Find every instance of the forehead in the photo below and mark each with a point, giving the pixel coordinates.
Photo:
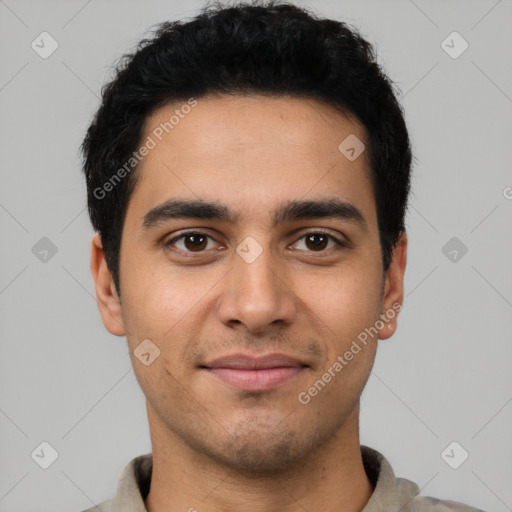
(251, 152)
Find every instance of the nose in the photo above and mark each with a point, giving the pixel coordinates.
(257, 295)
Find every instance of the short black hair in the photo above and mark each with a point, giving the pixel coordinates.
(271, 48)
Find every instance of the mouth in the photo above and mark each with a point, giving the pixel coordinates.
(251, 373)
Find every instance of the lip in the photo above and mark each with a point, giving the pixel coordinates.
(252, 373)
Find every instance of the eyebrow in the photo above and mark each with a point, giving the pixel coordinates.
(331, 208)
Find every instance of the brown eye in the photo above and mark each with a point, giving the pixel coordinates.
(195, 242)
(317, 241)
(190, 242)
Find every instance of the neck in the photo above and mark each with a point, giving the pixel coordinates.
(185, 480)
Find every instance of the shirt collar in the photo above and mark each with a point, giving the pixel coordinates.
(390, 493)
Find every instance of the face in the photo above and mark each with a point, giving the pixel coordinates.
(250, 233)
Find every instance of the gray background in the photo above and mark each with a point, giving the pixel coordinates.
(445, 375)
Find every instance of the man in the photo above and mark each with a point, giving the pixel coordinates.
(248, 174)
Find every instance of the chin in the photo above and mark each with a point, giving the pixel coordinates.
(259, 461)
(260, 452)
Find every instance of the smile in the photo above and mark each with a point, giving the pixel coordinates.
(256, 379)
(255, 372)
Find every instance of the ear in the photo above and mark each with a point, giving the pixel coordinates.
(108, 301)
(394, 289)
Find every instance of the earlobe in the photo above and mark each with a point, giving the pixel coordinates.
(394, 289)
(107, 298)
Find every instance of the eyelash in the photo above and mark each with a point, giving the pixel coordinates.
(339, 244)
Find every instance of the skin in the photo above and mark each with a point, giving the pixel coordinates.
(216, 447)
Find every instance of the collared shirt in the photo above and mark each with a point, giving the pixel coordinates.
(390, 494)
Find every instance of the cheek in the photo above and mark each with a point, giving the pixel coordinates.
(345, 300)
(169, 309)
(344, 313)
(152, 296)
